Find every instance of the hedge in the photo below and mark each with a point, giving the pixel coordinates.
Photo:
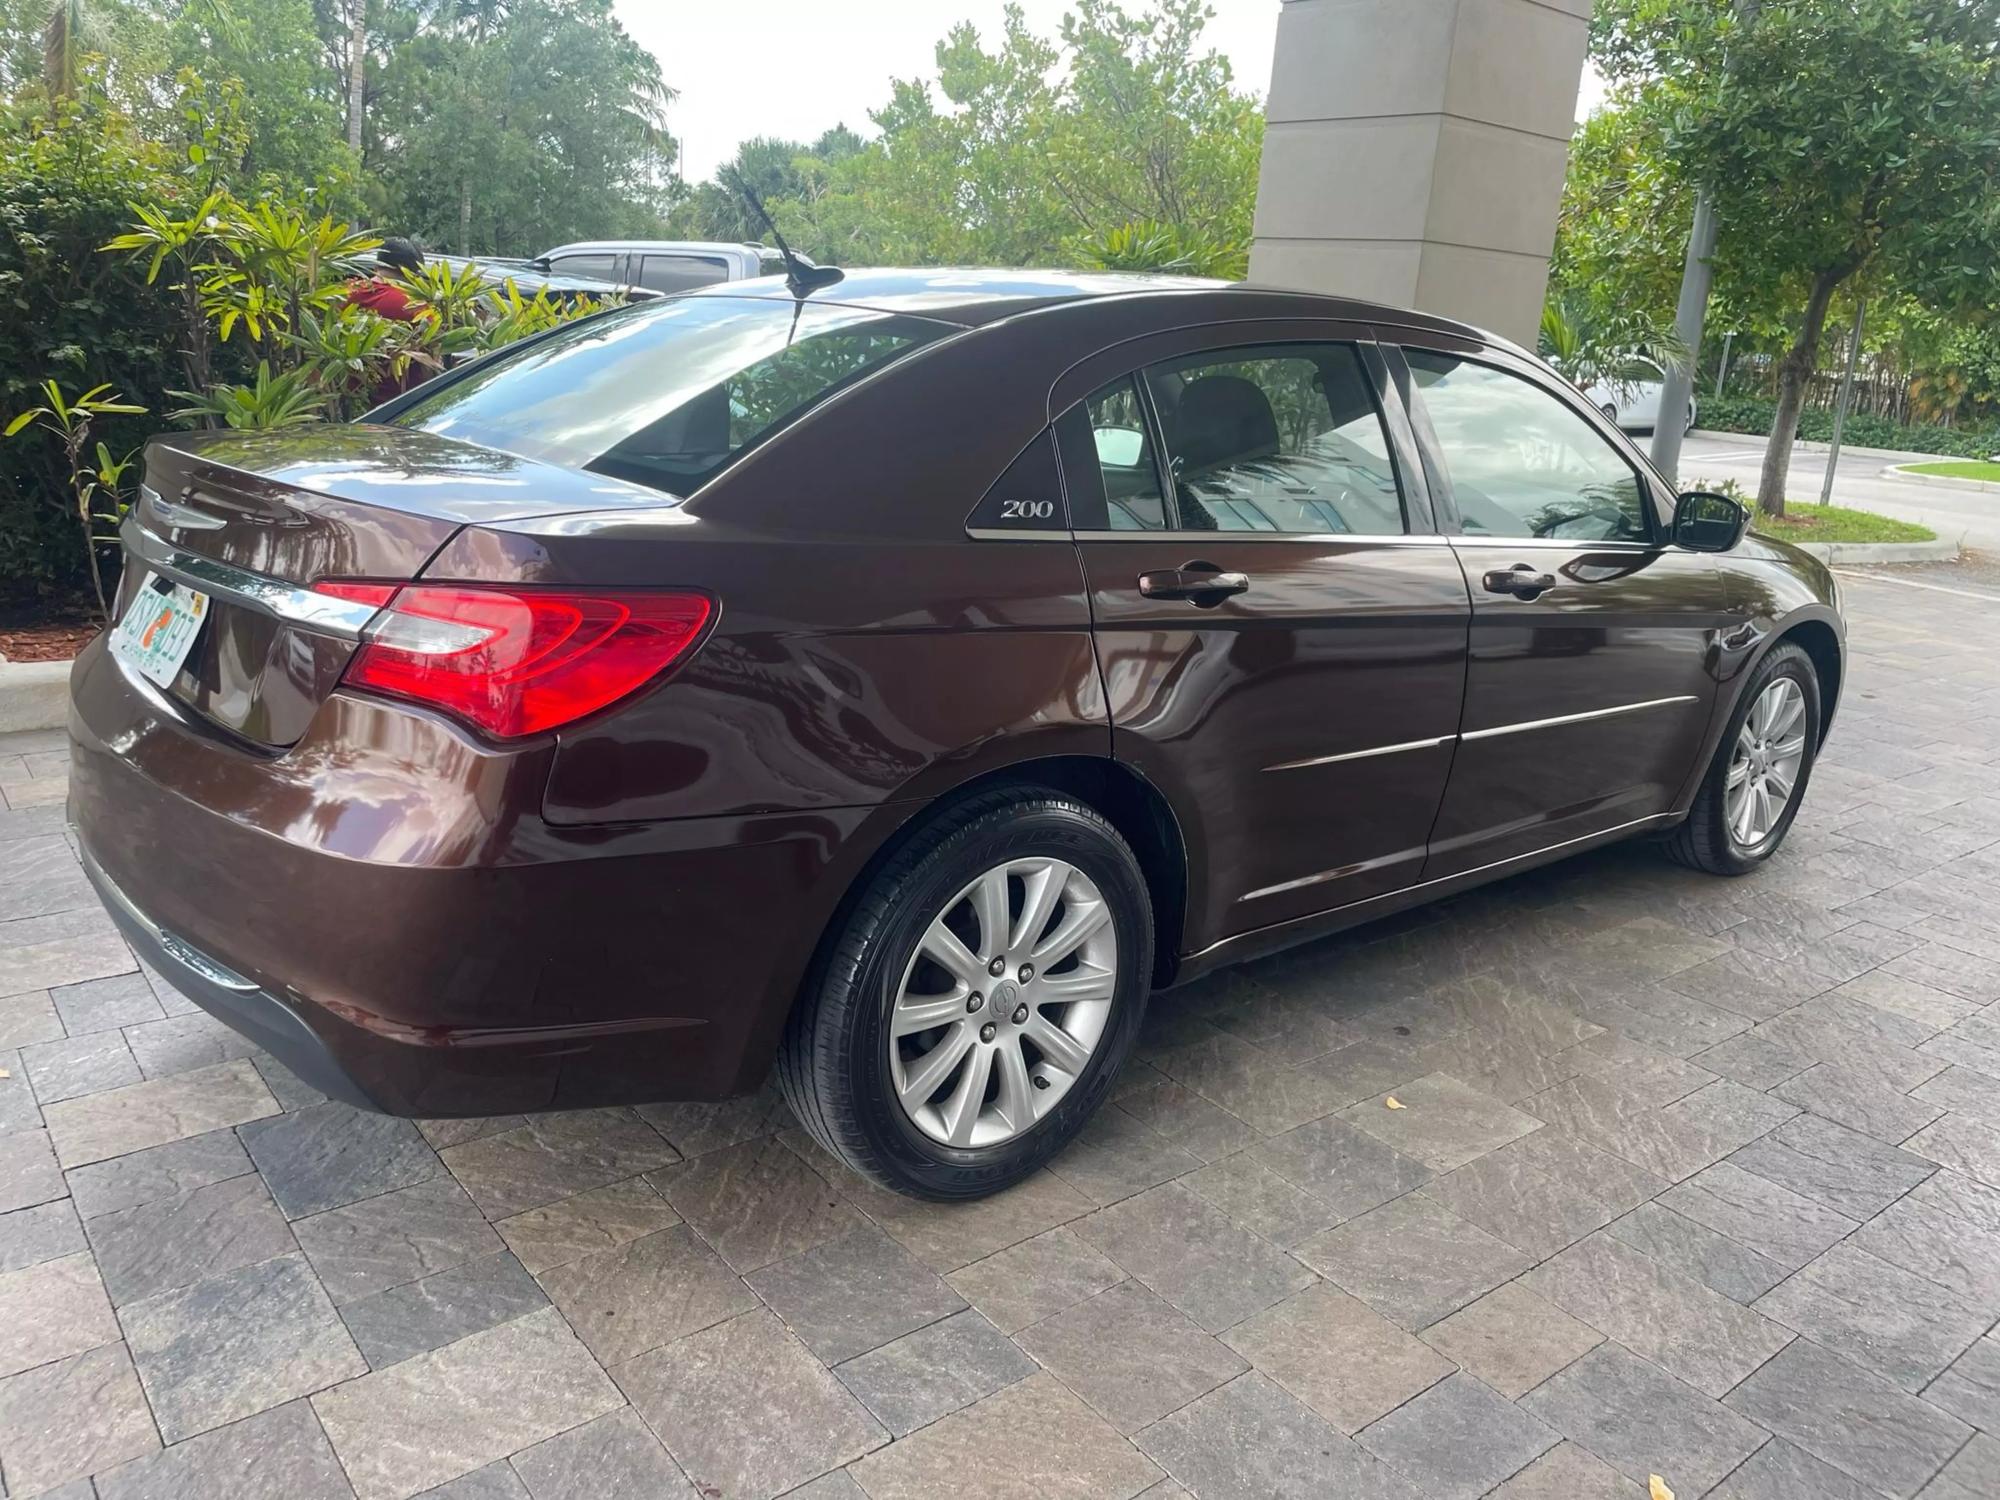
(1749, 414)
(70, 313)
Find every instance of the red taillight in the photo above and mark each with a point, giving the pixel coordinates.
(516, 661)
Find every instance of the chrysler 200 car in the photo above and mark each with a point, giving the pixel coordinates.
(893, 685)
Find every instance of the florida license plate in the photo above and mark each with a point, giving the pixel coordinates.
(159, 629)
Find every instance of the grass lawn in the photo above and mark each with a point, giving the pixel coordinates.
(1831, 523)
(1965, 468)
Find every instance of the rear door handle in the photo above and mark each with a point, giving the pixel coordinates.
(1521, 580)
(1198, 583)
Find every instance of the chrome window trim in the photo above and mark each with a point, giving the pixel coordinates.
(302, 608)
(1332, 760)
(1014, 534)
(1596, 713)
(1557, 543)
(1315, 538)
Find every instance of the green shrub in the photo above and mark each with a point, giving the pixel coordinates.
(69, 313)
(1749, 414)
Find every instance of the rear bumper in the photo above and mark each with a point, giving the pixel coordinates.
(383, 909)
(265, 1018)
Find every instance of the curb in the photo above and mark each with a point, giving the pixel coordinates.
(33, 695)
(1881, 552)
(1810, 446)
(1942, 481)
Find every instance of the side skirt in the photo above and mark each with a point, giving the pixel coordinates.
(1260, 942)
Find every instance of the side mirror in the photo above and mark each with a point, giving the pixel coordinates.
(1706, 522)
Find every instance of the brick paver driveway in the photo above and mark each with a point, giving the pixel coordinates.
(1693, 1178)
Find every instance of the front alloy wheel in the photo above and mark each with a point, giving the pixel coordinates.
(1764, 773)
(1752, 788)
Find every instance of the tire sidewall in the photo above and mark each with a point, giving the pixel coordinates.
(1044, 828)
(1786, 661)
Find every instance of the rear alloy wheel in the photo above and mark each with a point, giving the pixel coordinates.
(979, 999)
(1753, 786)
(1004, 1003)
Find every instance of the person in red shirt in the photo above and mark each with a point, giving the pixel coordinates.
(384, 295)
(379, 293)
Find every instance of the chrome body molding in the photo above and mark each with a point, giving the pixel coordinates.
(179, 948)
(1582, 718)
(1599, 836)
(302, 608)
(1331, 760)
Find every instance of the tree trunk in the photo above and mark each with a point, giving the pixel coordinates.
(465, 216)
(1795, 373)
(357, 72)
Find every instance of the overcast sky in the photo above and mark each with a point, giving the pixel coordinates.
(792, 68)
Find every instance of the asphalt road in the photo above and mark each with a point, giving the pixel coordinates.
(1967, 515)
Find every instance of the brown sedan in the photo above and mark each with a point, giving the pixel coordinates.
(898, 684)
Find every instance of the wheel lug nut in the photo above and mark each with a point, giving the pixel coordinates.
(1041, 1082)
(987, 1032)
(997, 967)
(1027, 972)
(973, 1002)
(1020, 1014)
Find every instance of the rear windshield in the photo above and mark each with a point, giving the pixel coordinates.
(667, 394)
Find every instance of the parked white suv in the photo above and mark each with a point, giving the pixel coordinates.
(661, 265)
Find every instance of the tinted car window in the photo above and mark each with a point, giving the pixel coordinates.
(600, 267)
(1521, 462)
(1281, 439)
(680, 273)
(666, 393)
(1124, 453)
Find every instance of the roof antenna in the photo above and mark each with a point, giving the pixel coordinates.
(801, 275)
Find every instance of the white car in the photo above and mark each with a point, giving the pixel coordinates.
(666, 266)
(1631, 398)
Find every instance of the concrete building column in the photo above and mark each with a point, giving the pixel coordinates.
(1415, 150)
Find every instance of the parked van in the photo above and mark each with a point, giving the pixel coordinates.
(661, 265)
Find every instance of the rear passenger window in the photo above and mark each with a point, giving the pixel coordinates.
(680, 273)
(1285, 438)
(1522, 463)
(1124, 452)
(595, 267)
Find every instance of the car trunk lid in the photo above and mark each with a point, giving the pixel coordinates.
(254, 520)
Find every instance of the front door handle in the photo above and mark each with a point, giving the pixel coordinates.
(1521, 580)
(1198, 583)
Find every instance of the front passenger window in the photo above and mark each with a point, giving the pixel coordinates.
(1521, 462)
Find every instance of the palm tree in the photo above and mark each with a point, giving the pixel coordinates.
(75, 29)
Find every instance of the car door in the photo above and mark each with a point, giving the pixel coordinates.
(1280, 628)
(1593, 643)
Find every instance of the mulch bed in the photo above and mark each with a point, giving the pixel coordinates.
(44, 642)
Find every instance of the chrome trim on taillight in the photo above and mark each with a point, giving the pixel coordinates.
(322, 614)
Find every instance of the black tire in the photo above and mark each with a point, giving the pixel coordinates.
(1704, 841)
(832, 1064)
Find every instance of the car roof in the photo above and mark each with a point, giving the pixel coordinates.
(974, 296)
(691, 247)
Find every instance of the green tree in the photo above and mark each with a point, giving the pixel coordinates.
(1837, 140)
(291, 106)
(1026, 149)
(513, 125)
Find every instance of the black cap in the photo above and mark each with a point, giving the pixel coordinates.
(399, 254)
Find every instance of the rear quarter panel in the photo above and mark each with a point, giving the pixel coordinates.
(839, 672)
